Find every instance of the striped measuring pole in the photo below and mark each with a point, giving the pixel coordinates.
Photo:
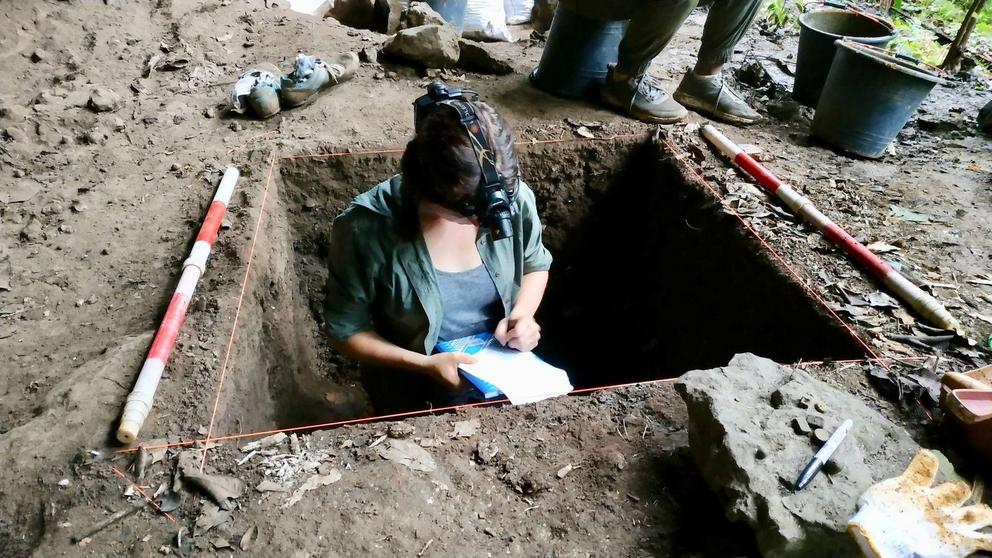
(927, 306)
(139, 402)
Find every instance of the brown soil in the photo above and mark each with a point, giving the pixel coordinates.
(117, 198)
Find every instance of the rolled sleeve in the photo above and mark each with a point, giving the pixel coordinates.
(351, 278)
(536, 256)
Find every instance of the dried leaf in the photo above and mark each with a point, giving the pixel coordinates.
(584, 132)
(465, 428)
(270, 486)
(311, 483)
(220, 488)
(408, 454)
(248, 538)
(210, 516)
(20, 192)
(882, 248)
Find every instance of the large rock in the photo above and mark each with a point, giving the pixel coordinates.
(480, 58)
(434, 46)
(985, 118)
(743, 440)
(103, 99)
(354, 13)
(420, 14)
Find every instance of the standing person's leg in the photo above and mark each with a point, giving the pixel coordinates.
(628, 87)
(702, 88)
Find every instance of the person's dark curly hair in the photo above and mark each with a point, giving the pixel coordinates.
(439, 163)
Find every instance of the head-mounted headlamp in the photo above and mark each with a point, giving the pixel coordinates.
(493, 203)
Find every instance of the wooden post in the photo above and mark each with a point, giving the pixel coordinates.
(952, 62)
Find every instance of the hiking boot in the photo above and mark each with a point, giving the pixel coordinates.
(257, 90)
(711, 96)
(312, 75)
(642, 98)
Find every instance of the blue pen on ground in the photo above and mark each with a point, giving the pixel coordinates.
(820, 457)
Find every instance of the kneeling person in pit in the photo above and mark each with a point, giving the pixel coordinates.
(448, 248)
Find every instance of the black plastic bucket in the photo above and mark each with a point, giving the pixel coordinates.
(868, 97)
(817, 32)
(577, 54)
(453, 11)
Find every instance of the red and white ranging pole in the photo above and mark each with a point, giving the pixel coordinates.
(926, 305)
(139, 402)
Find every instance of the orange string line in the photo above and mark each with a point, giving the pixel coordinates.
(788, 267)
(521, 143)
(419, 412)
(140, 491)
(237, 311)
(248, 141)
(210, 438)
(716, 193)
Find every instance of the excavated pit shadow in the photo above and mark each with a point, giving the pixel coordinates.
(651, 278)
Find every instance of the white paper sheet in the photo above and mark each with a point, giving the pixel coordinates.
(522, 377)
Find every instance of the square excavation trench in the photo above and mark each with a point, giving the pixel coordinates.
(651, 279)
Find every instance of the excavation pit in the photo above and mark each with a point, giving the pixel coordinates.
(651, 278)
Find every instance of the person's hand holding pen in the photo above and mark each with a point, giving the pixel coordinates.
(520, 333)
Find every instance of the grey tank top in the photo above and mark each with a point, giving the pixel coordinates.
(470, 301)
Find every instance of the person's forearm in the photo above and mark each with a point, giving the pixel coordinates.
(531, 293)
(370, 348)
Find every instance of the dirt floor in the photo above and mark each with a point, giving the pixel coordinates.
(98, 211)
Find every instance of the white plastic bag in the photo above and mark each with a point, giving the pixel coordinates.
(518, 11)
(485, 20)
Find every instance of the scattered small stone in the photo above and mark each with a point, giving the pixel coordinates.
(225, 224)
(103, 99)
(64, 483)
(804, 402)
(821, 407)
(485, 451)
(800, 426)
(369, 55)
(118, 124)
(832, 467)
(777, 399)
(618, 460)
(820, 436)
(38, 55)
(32, 232)
(564, 471)
(760, 453)
(80, 302)
(15, 134)
(309, 203)
(815, 421)
(210, 112)
(65, 229)
(400, 430)
(18, 173)
(236, 126)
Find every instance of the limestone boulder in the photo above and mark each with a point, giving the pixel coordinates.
(743, 437)
(433, 46)
(420, 14)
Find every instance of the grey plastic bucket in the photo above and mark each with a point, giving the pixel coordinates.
(868, 97)
(453, 11)
(577, 54)
(817, 32)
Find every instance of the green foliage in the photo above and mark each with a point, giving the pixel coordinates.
(781, 14)
(913, 40)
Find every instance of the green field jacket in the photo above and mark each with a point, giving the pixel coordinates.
(382, 280)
